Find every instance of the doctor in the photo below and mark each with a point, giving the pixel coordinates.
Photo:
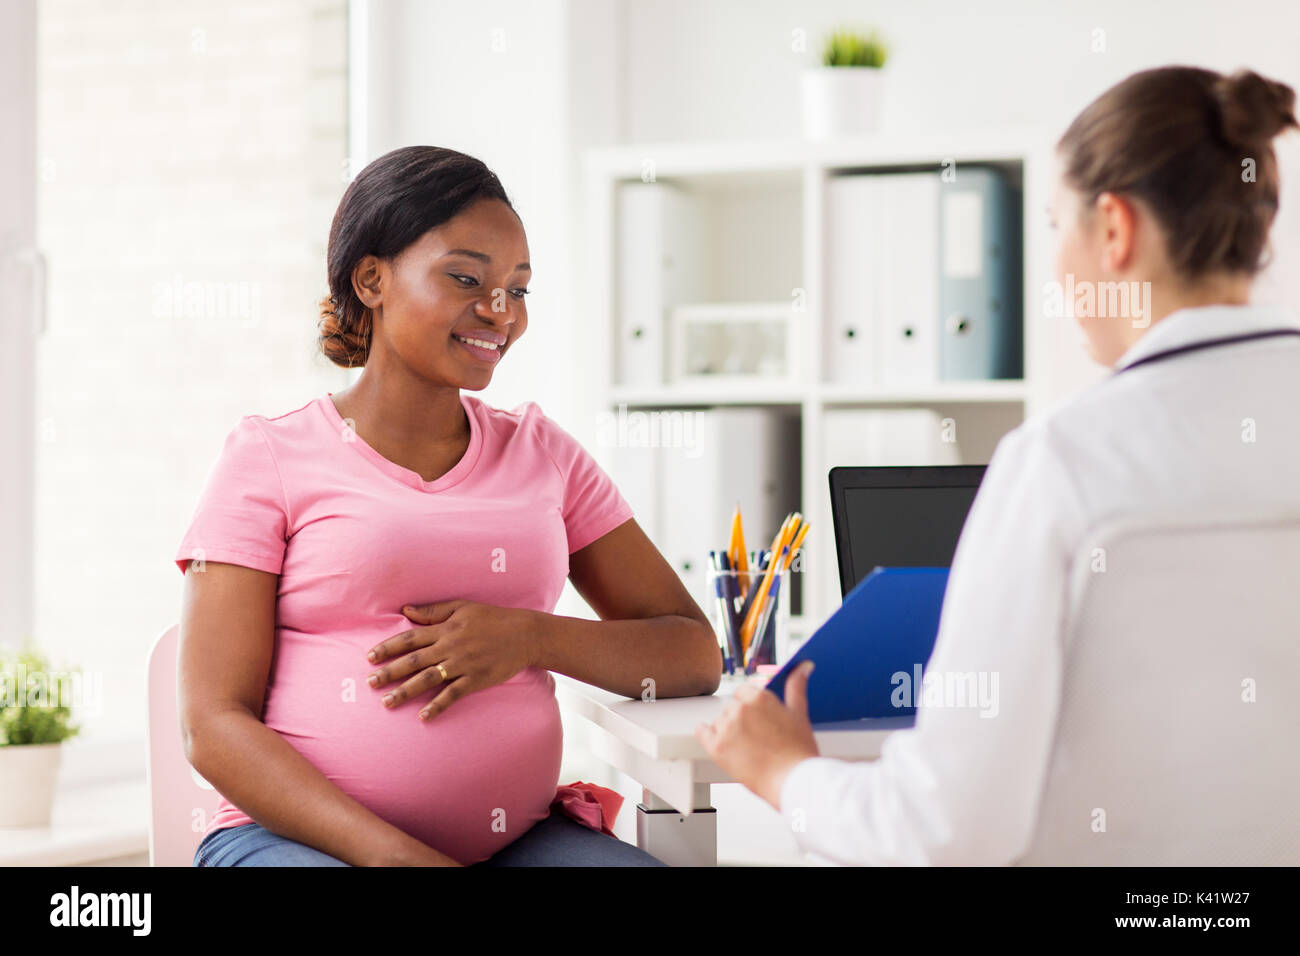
(1167, 180)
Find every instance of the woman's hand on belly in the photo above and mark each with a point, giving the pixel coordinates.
(477, 646)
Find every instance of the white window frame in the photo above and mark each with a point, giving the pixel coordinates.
(22, 303)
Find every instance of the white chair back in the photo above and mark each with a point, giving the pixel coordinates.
(1178, 734)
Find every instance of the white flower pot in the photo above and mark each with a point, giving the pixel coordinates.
(28, 773)
(840, 101)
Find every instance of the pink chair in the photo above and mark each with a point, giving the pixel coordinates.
(181, 801)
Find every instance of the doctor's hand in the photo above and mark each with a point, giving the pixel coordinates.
(759, 739)
(477, 646)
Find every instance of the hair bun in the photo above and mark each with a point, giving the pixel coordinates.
(1253, 109)
(343, 343)
(329, 310)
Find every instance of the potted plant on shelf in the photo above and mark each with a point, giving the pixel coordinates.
(35, 719)
(841, 97)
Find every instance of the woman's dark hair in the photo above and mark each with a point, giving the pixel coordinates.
(392, 202)
(1196, 147)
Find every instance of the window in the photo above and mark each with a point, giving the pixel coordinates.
(189, 160)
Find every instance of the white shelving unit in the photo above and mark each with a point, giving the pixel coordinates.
(737, 175)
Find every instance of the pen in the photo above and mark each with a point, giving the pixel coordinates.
(724, 623)
(726, 611)
(756, 580)
(730, 591)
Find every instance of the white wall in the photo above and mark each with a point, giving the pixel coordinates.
(725, 69)
(953, 66)
(523, 87)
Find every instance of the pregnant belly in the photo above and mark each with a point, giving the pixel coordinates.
(467, 782)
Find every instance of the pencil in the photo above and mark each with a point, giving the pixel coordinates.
(798, 540)
(779, 543)
(765, 616)
(739, 558)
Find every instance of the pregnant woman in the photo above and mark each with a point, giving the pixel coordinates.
(367, 631)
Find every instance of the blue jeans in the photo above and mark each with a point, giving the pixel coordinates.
(558, 840)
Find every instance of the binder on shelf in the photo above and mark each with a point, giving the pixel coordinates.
(907, 289)
(657, 267)
(703, 464)
(882, 279)
(980, 278)
(853, 223)
(924, 278)
(871, 653)
(888, 436)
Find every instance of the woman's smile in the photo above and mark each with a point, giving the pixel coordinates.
(484, 346)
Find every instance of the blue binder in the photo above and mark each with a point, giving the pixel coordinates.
(886, 627)
(980, 277)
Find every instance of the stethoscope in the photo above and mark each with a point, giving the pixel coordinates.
(1208, 344)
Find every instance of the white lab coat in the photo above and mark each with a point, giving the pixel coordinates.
(962, 789)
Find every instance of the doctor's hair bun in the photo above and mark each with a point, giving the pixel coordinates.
(389, 205)
(1196, 148)
(1253, 109)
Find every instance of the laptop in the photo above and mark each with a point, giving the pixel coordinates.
(898, 516)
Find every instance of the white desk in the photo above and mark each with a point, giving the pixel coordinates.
(653, 742)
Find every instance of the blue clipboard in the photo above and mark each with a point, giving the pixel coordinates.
(885, 628)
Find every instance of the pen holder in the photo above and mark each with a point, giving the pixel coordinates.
(729, 595)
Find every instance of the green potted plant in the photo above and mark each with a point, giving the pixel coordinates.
(35, 719)
(841, 96)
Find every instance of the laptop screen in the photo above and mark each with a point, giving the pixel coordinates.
(900, 524)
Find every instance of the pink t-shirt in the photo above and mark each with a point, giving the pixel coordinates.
(354, 537)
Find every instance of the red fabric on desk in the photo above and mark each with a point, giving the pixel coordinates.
(590, 804)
